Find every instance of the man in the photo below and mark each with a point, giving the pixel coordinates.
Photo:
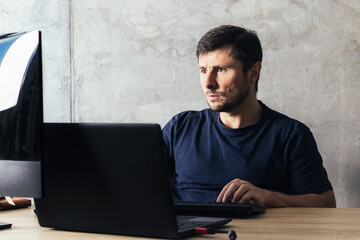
(240, 150)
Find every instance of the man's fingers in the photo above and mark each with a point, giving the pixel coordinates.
(228, 192)
(247, 197)
(221, 195)
(240, 192)
(228, 195)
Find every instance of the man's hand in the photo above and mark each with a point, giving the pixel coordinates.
(240, 191)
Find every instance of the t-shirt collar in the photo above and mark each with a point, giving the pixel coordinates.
(242, 130)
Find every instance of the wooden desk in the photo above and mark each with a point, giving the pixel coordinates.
(281, 223)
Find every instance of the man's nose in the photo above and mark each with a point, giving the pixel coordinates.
(210, 80)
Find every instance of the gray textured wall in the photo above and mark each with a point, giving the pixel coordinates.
(133, 61)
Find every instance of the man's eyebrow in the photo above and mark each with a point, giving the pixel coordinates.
(219, 66)
(228, 65)
(201, 67)
(216, 66)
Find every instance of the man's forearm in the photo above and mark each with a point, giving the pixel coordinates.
(276, 199)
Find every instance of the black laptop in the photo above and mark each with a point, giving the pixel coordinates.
(110, 178)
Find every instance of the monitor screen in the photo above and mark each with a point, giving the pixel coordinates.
(21, 114)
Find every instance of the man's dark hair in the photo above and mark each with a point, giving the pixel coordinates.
(245, 45)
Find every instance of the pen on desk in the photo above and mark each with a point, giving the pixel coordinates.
(8, 199)
(231, 233)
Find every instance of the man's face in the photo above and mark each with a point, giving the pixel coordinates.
(222, 80)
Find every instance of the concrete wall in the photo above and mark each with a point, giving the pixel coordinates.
(134, 61)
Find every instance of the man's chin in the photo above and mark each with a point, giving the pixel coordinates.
(216, 107)
(224, 107)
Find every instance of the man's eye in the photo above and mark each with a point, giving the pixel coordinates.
(203, 70)
(221, 69)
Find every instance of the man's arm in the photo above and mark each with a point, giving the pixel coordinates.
(239, 191)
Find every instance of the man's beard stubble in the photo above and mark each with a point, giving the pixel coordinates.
(231, 104)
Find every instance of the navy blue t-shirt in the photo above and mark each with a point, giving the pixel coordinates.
(275, 153)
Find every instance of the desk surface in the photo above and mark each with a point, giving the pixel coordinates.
(281, 223)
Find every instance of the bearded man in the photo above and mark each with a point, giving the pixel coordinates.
(239, 150)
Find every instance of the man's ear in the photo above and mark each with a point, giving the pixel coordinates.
(254, 72)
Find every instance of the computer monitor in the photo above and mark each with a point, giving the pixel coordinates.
(21, 114)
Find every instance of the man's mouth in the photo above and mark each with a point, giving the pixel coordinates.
(213, 97)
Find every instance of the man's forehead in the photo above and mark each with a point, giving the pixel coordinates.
(217, 57)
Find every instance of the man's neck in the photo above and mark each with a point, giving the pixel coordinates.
(246, 114)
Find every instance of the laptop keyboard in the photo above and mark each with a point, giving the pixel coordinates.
(217, 209)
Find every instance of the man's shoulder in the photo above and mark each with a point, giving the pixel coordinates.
(285, 122)
(193, 115)
(189, 120)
